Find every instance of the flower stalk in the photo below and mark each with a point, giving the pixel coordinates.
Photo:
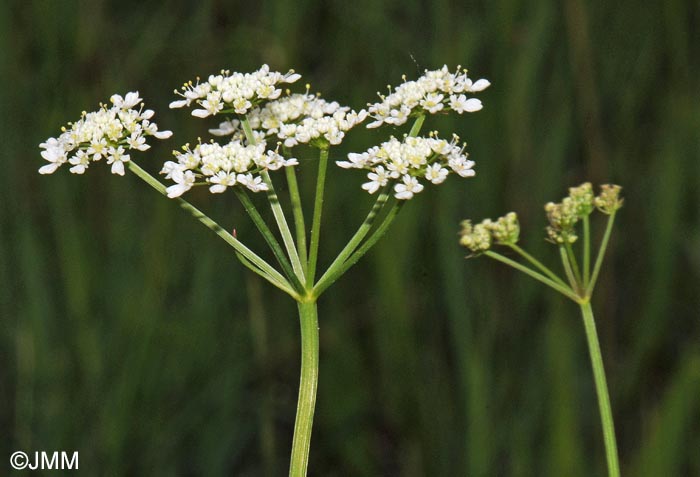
(261, 114)
(563, 218)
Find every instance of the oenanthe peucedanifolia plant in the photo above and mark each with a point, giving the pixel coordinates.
(579, 282)
(262, 125)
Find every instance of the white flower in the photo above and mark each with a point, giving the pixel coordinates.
(184, 180)
(108, 132)
(298, 119)
(138, 142)
(55, 153)
(255, 184)
(461, 104)
(462, 166)
(98, 149)
(117, 158)
(411, 159)
(80, 162)
(223, 166)
(237, 91)
(222, 180)
(128, 102)
(378, 178)
(436, 173)
(409, 187)
(431, 93)
(432, 102)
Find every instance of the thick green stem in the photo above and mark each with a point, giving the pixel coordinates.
(316, 224)
(275, 277)
(601, 387)
(298, 211)
(268, 236)
(308, 318)
(601, 254)
(566, 291)
(276, 208)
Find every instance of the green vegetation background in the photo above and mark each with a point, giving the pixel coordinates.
(130, 333)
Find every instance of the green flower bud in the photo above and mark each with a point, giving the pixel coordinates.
(609, 199)
(582, 198)
(506, 230)
(476, 238)
(562, 219)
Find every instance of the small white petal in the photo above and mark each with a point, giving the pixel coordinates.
(480, 85)
(118, 168)
(472, 105)
(201, 113)
(49, 168)
(176, 190)
(181, 103)
(162, 134)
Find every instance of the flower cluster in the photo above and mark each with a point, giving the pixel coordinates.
(564, 215)
(221, 167)
(106, 133)
(609, 199)
(298, 119)
(433, 92)
(478, 238)
(233, 92)
(429, 158)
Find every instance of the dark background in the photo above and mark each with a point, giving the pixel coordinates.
(131, 334)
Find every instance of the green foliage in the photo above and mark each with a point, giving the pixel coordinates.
(128, 332)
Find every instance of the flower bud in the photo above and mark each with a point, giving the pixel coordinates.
(562, 219)
(609, 199)
(506, 230)
(582, 199)
(476, 238)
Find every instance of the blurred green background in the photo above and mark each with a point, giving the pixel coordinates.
(131, 334)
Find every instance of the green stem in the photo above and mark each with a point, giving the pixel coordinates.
(566, 291)
(276, 208)
(601, 387)
(298, 211)
(279, 280)
(253, 268)
(586, 250)
(268, 236)
(601, 254)
(574, 264)
(538, 264)
(567, 267)
(308, 317)
(336, 272)
(357, 238)
(318, 210)
(415, 129)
